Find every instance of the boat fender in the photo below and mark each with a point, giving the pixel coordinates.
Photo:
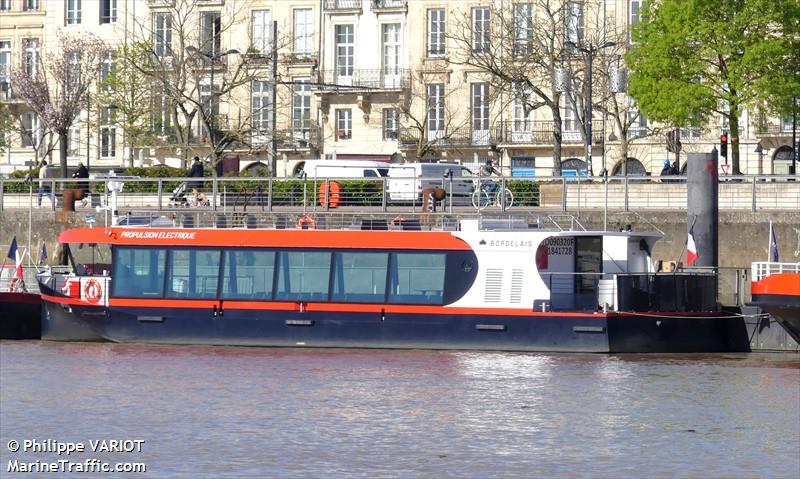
(306, 222)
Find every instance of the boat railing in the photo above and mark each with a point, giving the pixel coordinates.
(762, 269)
(29, 273)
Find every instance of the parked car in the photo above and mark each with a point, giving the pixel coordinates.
(406, 182)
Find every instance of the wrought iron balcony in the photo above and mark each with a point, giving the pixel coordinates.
(540, 132)
(456, 137)
(340, 6)
(774, 128)
(298, 138)
(380, 6)
(383, 79)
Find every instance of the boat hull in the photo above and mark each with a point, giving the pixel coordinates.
(20, 315)
(65, 322)
(554, 332)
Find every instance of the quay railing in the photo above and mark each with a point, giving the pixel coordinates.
(485, 194)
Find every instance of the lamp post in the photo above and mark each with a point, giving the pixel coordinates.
(589, 50)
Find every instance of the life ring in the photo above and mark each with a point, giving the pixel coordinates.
(306, 222)
(93, 291)
(397, 222)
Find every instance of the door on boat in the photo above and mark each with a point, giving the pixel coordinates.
(589, 267)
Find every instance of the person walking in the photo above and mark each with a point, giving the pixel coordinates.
(44, 185)
(196, 172)
(82, 174)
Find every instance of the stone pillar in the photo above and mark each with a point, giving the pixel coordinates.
(702, 198)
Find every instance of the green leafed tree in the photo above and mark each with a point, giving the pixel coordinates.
(694, 59)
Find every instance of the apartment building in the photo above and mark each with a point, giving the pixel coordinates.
(371, 79)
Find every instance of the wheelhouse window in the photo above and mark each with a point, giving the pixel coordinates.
(248, 274)
(303, 276)
(417, 278)
(360, 277)
(138, 272)
(436, 32)
(193, 273)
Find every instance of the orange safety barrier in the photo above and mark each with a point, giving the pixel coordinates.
(332, 195)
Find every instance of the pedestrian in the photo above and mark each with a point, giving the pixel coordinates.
(44, 185)
(675, 170)
(196, 172)
(667, 170)
(82, 174)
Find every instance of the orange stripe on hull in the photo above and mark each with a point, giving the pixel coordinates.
(784, 284)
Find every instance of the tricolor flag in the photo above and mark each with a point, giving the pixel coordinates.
(691, 248)
(13, 253)
(773, 244)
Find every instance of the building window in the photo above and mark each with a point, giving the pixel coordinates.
(435, 32)
(210, 34)
(345, 51)
(481, 29)
(344, 124)
(32, 136)
(74, 140)
(261, 31)
(570, 123)
(162, 35)
(73, 72)
(391, 55)
(107, 71)
(209, 101)
(261, 110)
(30, 5)
(73, 12)
(634, 11)
(303, 31)
(107, 132)
(5, 72)
(162, 116)
(523, 28)
(31, 56)
(301, 105)
(390, 124)
(5, 5)
(574, 22)
(435, 101)
(480, 113)
(108, 11)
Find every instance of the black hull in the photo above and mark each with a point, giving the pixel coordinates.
(551, 332)
(68, 323)
(20, 316)
(784, 308)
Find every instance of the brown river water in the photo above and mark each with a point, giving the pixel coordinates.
(219, 412)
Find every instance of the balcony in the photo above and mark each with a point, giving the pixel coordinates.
(774, 128)
(342, 6)
(530, 132)
(383, 79)
(457, 137)
(389, 6)
(299, 138)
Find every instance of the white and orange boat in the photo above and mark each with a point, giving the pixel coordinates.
(776, 289)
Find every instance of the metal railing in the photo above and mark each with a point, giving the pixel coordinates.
(342, 5)
(762, 269)
(379, 5)
(541, 132)
(745, 193)
(374, 79)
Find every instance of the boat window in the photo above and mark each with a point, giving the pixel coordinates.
(193, 273)
(303, 276)
(248, 274)
(360, 277)
(138, 272)
(417, 278)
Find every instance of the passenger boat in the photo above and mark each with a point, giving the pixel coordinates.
(776, 289)
(464, 284)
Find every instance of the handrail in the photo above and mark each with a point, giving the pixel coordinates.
(762, 269)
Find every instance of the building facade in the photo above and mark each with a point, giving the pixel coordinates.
(374, 79)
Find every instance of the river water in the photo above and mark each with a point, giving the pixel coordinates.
(212, 412)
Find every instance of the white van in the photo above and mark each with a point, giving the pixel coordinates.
(344, 169)
(406, 181)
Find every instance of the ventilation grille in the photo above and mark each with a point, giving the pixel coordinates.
(494, 286)
(516, 285)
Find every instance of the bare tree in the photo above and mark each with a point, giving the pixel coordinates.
(430, 114)
(56, 88)
(190, 71)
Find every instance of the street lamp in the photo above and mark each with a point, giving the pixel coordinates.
(589, 50)
(760, 150)
(212, 57)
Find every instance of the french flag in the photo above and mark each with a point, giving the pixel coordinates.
(691, 248)
(13, 253)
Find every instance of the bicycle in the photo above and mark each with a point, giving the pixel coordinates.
(487, 195)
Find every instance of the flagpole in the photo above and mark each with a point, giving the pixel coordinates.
(769, 243)
(686, 240)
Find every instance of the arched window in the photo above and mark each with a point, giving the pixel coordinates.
(634, 167)
(572, 167)
(256, 169)
(782, 161)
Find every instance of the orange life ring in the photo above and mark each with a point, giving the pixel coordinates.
(93, 291)
(306, 220)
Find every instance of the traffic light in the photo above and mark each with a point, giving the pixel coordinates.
(723, 145)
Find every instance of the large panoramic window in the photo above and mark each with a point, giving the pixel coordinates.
(417, 278)
(360, 277)
(138, 272)
(248, 274)
(193, 273)
(303, 276)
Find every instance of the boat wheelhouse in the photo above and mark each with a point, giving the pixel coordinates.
(474, 285)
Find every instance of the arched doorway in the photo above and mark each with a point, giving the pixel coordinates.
(782, 161)
(256, 169)
(634, 167)
(572, 166)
